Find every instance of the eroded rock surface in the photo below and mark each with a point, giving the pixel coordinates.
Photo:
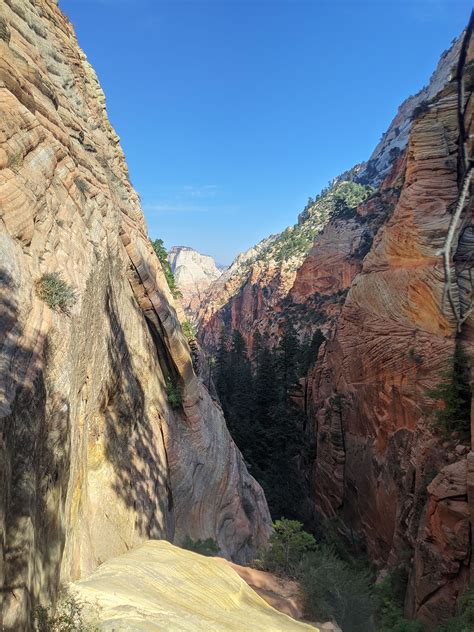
(138, 591)
(93, 458)
(396, 334)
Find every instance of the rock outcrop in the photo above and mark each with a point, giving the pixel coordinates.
(193, 273)
(108, 437)
(396, 334)
(137, 591)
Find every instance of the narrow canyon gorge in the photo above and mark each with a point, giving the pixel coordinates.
(118, 425)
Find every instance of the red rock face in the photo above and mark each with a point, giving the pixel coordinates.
(371, 412)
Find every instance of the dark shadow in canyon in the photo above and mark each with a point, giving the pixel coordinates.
(34, 472)
(132, 439)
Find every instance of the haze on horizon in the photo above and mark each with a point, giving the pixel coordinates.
(232, 113)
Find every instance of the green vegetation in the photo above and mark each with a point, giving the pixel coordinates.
(332, 589)
(208, 547)
(81, 185)
(162, 255)
(15, 161)
(55, 292)
(335, 587)
(339, 199)
(257, 398)
(463, 621)
(189, 330)
(174, 393)
(66, 617)
(454, 395)
(287, 547)
(390, 594)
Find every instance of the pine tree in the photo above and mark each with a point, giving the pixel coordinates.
(288, 359)
(240, 393)
(309, 351)
(455, 394)
(221, 371)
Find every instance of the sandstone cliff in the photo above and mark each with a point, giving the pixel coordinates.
(375, 450)
(272, 280)
(93, 456)
(193, 273)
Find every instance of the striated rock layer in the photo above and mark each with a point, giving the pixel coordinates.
(137, 592)
(368, 397)
(93, 459)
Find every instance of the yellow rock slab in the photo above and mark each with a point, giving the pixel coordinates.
(158, 587)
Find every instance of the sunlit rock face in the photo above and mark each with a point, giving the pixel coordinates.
(368, 397)
(161, 587)
(193, 273)
(93, 458)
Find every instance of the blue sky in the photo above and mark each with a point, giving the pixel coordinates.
(232, 113)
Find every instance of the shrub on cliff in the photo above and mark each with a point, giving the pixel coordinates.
(160, 251)
(464, 620)
(189, 330)
(208, 547)
(174, 393)
(390, 595)
(55, 292)
(67, 616)
(334, 590)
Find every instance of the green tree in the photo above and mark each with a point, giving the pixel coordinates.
(463, 621)
(287, 547)
(288, 352)
(454, 395)
(333, 589)
(309, 352)
(390, 595)
(240, 393)
(161, 253)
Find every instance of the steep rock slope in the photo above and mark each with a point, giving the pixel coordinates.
(253, 293)
(193, 273)
(375, 452)
(93, 458)
(137, 591)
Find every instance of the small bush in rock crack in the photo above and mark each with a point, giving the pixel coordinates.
(55, 292)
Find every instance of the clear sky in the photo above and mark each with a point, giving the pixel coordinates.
(232, 113)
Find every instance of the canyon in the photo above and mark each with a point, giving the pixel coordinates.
(114, 444)
(388, 281)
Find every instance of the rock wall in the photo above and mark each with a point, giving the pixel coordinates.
(375, 450)
(93, 458)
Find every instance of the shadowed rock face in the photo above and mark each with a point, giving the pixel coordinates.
(193, 273)
(93, 459)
